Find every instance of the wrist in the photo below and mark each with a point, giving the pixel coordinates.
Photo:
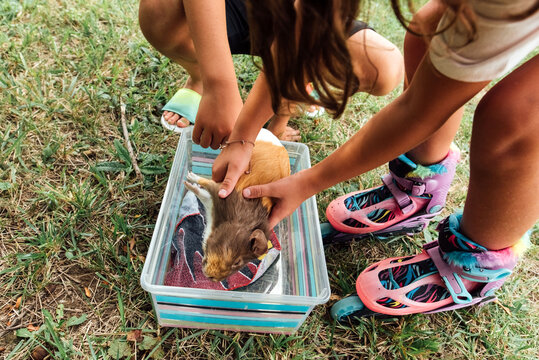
(243, 131)
(307, 183)
(221, 81)
(242, 142)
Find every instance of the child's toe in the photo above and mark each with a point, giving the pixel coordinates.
(172, 118)
(182, 122)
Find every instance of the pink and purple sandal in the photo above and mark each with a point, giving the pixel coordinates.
(451, 273)
(411, 195)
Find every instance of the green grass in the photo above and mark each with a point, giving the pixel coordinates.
(76, 221)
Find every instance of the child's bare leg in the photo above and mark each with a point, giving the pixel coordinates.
(504, 158)
(345, 212)
(425, 21)
(164, 24)
(378, 66)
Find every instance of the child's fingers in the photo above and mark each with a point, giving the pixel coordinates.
(229, 182)
(255, 191)
(258, 191)
(205, 138)
(197, 132)
(218, 171)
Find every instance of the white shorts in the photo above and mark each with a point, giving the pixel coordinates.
(500, 44)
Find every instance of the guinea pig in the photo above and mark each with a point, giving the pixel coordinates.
(237, 229)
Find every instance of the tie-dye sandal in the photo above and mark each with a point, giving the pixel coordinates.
(317, 110)
(433, 281)
(184, 103)
(410, 197)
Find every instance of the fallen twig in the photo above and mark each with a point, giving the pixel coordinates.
(128, 143)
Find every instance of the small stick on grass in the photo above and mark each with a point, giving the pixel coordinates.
(128, 143)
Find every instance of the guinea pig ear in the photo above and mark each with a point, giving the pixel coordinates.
(259, 242)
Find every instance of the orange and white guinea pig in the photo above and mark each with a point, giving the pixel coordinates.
(237, 228)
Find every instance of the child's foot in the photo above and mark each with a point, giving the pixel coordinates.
(288, 134)
(278, 125)
(314, 111)
(175, 119)
(284, 132)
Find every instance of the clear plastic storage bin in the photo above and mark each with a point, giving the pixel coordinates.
(278, 302)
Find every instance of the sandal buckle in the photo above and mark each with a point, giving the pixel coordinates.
(406, 209)
(418, 188)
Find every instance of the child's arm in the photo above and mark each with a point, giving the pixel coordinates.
(221, 101)
(371, 52)
(234, 159)
(405, 123)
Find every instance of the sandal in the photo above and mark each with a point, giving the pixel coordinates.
(411, 195)
(184, 103)
(433, 281)
(316, 109)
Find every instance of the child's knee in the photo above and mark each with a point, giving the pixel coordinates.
(512, 105)
(163, 24)
(378, 63)
(392, 73)
(506, 127)
(148, 14)
(510, 111)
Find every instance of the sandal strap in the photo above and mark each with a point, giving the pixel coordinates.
(416, 188)
(480, 301)
(452, 279)
(405, 203)
(452, 276)
(185, 103)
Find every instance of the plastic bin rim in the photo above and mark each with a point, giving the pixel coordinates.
(178, 291)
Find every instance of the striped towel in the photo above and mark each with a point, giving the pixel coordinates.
(185, 267)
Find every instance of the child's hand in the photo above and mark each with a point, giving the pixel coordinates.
(217, 113)
(287, 195)
(231, 163)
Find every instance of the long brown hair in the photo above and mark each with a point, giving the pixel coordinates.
(320, 56)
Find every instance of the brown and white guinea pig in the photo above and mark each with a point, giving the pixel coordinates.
(237, 229)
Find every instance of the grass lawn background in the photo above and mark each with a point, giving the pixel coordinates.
(76, 223)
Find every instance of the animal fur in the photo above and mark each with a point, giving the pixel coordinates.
(237, 228)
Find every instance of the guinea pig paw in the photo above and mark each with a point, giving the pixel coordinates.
(192, 177)
(192, 187)
(201, 193)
